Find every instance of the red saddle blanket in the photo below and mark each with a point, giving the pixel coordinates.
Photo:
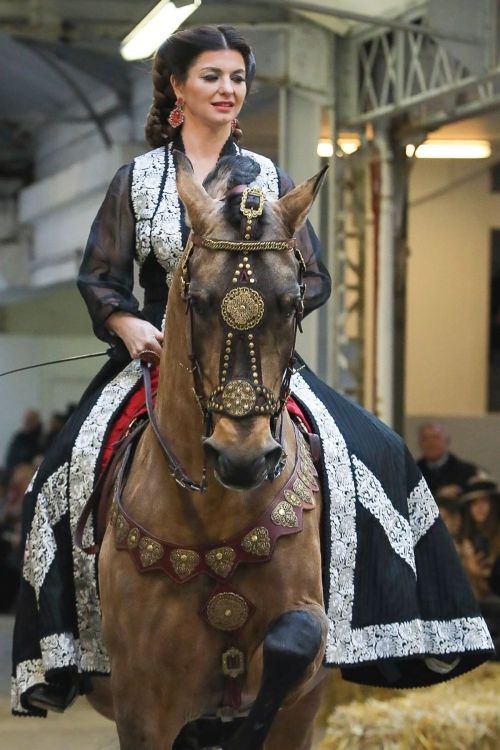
(135, 406)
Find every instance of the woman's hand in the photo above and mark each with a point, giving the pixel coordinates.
(141, 338)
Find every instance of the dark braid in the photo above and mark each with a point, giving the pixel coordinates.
(175, 57)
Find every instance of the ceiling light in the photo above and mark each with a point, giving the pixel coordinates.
(325, 148)
(349, 143)
(436, 149)
(154, 28)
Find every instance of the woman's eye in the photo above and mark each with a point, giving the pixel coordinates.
(210, 78)
(238, 79)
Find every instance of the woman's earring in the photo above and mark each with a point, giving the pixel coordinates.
(176, 116)
(234, 126)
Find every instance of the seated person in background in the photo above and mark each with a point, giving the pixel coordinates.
(480, 547)
(442, 470)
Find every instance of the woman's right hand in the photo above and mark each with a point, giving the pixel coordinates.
(138, 336)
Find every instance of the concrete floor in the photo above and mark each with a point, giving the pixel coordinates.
(79, 728)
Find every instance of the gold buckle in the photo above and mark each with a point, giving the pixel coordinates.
(252, 213)
(233, 663)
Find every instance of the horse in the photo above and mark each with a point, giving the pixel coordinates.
(211, 599)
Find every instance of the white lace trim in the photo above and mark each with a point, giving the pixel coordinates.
(345, 644)
(147, 175)
(423, 511)
(86, 450)
(28, 674)
(40, 549)
(59, 650)
(268, 177)
(372, 496)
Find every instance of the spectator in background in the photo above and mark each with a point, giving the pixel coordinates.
(443, 471)
(451, 512)
(480, 548)
(25, 444)
(56, 423)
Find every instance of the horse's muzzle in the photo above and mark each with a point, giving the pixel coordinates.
(238, 469)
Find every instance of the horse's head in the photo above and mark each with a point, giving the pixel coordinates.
(242, 279)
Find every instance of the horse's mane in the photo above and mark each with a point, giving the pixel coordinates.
(229, 172)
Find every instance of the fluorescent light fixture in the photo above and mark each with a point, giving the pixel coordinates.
(436, 149)
(325, 148)
(154, 28)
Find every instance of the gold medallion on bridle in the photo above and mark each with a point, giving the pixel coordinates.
(221, 560)
(149, 551)
(257, 542)
(238, 398)
(184, 562)
(133, 538)
(227, 611)
(242, 308)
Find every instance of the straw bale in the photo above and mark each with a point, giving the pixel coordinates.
(462, 714)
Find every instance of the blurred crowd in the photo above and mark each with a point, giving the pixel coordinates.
(25, 451)
(469, 503)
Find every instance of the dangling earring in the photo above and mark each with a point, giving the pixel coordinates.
(235, 125)
(176, 116)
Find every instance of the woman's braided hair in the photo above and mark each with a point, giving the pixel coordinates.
(175, 57)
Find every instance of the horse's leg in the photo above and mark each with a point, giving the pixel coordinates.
(291, 645)
(293, 727)
(99, 696)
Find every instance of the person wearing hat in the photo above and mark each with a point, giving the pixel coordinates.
(480, 548)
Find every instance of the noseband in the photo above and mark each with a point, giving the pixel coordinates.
(242, 311)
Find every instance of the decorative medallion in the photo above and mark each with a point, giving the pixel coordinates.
(133, 538)
(238, 398)
(149, 551)
(293, 499)
(184, 562)
(242, 308)
(227, 611)
(308, 479)
(113, 514)
(233, 663)
(257, 542)
(284, 515)
(221, 560)
(303, 492)
(121, 529)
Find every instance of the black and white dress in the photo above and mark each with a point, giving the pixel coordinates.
(395, 593)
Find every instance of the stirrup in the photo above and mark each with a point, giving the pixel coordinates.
(53, 697)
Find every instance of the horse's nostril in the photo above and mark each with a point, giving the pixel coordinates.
(273, 457)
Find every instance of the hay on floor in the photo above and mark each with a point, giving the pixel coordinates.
(463, 714)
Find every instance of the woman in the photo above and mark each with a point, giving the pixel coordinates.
(381, 527)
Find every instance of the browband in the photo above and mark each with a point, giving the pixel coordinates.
(243, 246)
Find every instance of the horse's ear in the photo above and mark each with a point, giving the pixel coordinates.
(295, 205)
(199, 205)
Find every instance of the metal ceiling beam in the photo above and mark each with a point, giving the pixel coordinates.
(349, 15)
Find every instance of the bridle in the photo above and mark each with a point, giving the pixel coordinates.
(242, 311)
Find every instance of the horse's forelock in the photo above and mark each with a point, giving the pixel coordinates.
(229, 172)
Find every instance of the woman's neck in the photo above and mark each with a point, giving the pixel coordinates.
(203, 145)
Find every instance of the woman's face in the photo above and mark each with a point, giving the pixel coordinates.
(215, 87)
(480, 509)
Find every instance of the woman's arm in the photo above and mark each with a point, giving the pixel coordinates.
(316, 278)
(106, 276)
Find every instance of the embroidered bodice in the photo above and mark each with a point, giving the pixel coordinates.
(142, 219)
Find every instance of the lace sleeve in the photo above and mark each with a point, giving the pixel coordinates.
(317, 278)
(106, 276)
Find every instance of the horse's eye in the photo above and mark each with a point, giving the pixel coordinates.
(288, 304)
